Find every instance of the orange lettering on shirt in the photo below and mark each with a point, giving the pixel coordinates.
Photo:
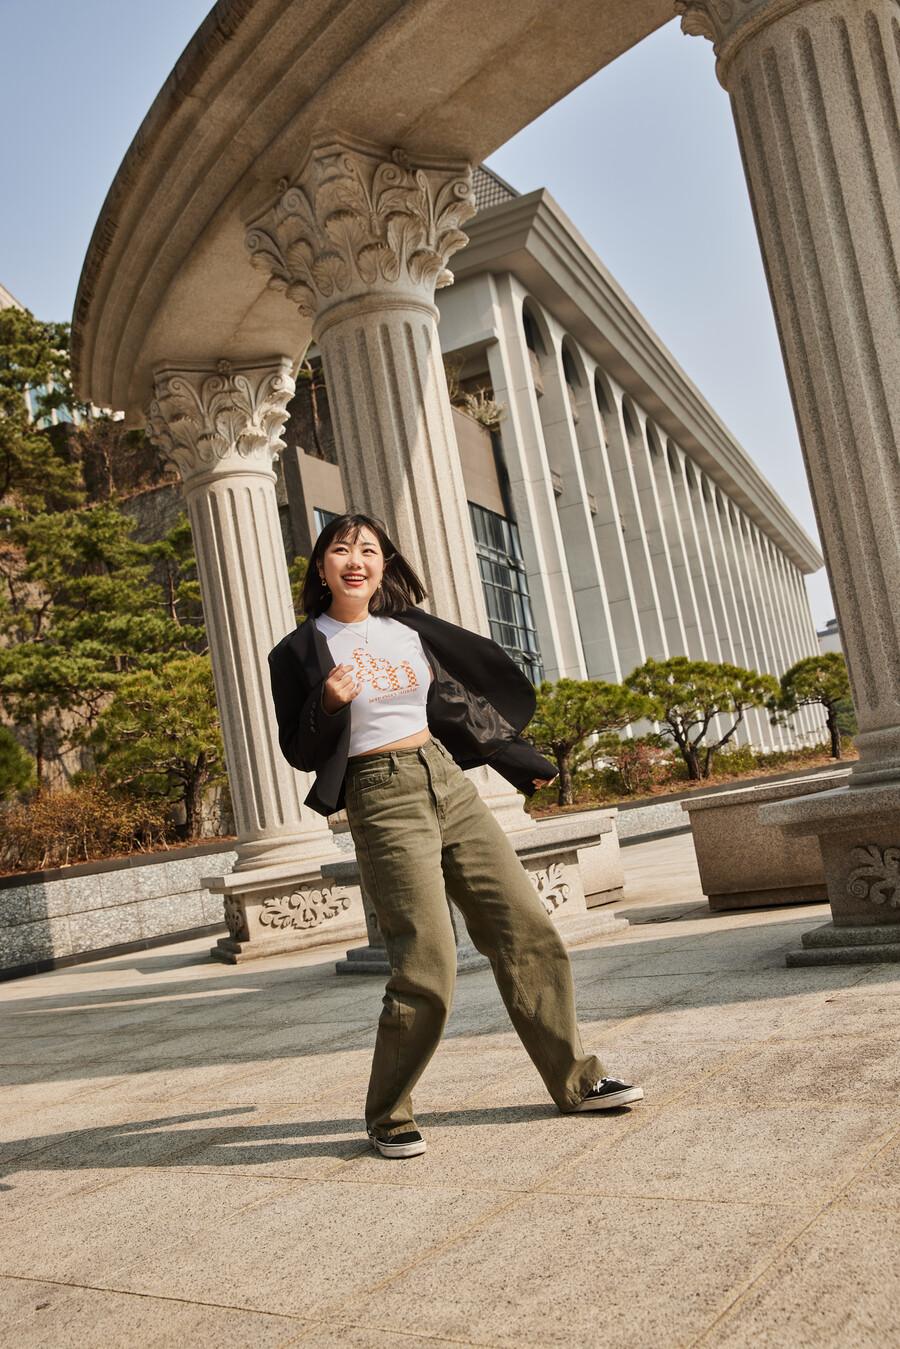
(384, 677)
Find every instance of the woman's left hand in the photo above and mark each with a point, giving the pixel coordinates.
(543, 782)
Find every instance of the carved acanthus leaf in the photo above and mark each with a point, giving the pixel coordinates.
(721, 20)
(551, 887)
(357, 223)
(200, 418)
(877, 875)
(705, 18)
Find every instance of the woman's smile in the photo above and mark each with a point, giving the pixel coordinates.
(352, 570)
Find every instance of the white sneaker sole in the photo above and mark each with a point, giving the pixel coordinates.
(615, 1098)
(389, 1149)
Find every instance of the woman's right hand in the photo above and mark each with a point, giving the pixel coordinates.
(340, 689)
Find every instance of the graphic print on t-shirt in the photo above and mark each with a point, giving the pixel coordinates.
(387, 680)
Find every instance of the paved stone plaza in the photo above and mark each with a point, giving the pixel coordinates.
(185, 1160)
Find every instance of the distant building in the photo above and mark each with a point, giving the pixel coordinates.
(614, 516)
(829, 637)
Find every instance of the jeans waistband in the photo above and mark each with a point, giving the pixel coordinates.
(395, 756)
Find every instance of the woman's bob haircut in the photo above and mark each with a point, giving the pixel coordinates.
(400, 586)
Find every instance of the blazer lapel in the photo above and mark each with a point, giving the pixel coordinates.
(311, 650)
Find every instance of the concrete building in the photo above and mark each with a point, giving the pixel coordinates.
(614, 517)
(829, 636)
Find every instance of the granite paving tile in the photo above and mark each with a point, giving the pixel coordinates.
(869, 1012)
(638, 989)
(501, 1282)
(794, 1071)
(88, 1318)
(335, 1334)
(87, 1237)
(362, 1234)
(795, 1155)
(98, 1132)
(878, 1185)
(303, 1143)
(836, 1287)
(513, 1145)
(24, 1190)
(298, 1080)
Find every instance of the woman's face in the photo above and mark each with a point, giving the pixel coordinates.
(353, 569)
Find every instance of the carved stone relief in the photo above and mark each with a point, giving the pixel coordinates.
(200, 418)
(236, 919)
(722, 20)
(357, 221)
(303, 909)
(877, 875)
(551, 887)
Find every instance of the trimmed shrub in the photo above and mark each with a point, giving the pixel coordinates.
(86, 823)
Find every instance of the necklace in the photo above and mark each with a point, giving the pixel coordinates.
(360, 629)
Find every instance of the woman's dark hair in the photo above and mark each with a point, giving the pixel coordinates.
(400, 586)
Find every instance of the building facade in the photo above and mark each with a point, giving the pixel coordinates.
(614, 516)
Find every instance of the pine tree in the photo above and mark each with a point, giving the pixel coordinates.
(571, 710)
(685, 696)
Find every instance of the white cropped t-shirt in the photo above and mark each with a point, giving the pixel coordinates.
(393, 674)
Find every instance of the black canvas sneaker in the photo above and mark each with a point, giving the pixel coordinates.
(410, 1144)
(609, 1093)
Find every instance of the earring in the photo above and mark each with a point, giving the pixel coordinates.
(324, 582)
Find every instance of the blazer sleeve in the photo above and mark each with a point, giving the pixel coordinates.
(520, 764)
(307, 733)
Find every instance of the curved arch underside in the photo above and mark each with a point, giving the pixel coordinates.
(167, 276)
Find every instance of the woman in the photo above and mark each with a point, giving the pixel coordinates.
(386, 705)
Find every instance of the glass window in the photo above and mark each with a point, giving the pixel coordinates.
(505, 587)
(322, 518)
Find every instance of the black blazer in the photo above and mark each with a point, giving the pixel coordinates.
(478, 702)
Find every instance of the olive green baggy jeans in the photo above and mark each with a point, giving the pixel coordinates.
(422, 832)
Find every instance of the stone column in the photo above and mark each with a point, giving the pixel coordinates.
(359, 242)
(815, 91)
(221, 427)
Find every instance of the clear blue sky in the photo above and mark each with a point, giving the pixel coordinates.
(643, 158)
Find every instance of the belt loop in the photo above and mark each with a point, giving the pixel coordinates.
(395, 763)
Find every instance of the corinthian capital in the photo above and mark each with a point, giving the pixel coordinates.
(729, 23)
(203, 418)
(357, 223)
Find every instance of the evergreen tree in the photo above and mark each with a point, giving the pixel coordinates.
(160, 735)
(817, 681)
(35, 469)
(16, 767)
(78, 611)
(685, 696)
(571, 710)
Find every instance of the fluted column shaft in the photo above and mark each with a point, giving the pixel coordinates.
(815, 90)
(359, 242)
(221, 426)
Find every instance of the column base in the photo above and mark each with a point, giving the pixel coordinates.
(830, 945)
(858, 829)
(272, 913)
